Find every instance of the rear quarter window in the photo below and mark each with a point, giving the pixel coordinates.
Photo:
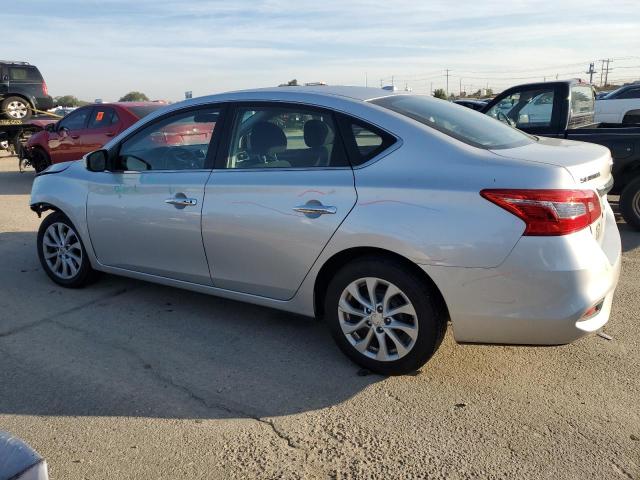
(364, 141)
(24, 74)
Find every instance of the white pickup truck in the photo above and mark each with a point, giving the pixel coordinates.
(620, 106)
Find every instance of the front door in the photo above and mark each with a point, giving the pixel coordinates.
(281, 189)
(65, 142)
(145, 215)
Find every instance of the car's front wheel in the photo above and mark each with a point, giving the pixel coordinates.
(16, 108)
(383, 316)
(630, 203)
(62, 253)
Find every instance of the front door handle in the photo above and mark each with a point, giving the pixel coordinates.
(181, 201)
(314, 211)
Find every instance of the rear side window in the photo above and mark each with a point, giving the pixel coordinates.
(364, 141)
(75, 120)
(102, 117)
(24, 74)
(461, 123)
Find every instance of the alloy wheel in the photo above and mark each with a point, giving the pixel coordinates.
(378, 319)
(62, 250)
(17, 109)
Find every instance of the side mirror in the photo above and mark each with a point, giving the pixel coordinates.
(96, 161)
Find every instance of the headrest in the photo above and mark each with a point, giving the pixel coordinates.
(267, 138)
(316, 133)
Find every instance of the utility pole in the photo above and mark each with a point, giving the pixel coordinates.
(447, 70)
(601, 72)
(366, 80)
(431, 89)
(460, 87)
(591, 71)
(606, 72)
(392, 84)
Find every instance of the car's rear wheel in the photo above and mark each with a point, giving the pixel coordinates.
(16, 108)
(383, 316)
(40, 160)
(630, 203)
(61, 252)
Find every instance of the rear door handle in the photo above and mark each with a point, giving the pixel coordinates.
(181, 202)
(314, 211)
(109, 134)
(75, 137)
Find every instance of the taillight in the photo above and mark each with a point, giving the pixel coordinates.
(45, 90)
(549, 212)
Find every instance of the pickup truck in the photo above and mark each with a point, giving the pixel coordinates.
(565, 109)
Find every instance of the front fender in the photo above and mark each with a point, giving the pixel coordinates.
(61, 188)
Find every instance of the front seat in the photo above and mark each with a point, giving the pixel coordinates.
(266, 142)
(317, 136)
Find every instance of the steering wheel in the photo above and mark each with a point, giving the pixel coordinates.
(180, 158)
(504, 119)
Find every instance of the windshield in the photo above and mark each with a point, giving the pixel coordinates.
(464, 124)
(143, 111)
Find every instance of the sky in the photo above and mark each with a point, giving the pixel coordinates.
(104, 49)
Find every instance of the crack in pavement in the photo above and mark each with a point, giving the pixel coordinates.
(51, 318)
(237, 410)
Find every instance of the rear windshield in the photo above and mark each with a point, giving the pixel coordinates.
(582, 99)
(459, 122)
(143, 111)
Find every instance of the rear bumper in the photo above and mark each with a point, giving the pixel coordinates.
(539, 294)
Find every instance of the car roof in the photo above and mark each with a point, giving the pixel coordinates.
(295, 93)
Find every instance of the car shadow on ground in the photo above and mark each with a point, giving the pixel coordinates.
(16, 183)
(128, 348)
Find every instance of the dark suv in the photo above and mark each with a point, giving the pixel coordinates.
(22, 89)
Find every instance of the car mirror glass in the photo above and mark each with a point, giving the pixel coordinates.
(96, 161)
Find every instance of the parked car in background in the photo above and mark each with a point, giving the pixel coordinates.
(22, 89)
(83, 130)
(565, 109)
(602, 93)
(471, 103)
(620, 106)
(386, 213)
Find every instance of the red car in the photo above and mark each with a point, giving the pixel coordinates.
(84, 130)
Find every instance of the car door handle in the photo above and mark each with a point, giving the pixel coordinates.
(75, 137)
(109, 134)
(181, 202)
(315, 210)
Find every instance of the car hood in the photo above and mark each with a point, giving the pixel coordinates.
(589, 164)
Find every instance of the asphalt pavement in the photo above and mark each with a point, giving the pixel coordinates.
(126, 379)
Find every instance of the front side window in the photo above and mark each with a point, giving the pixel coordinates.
(284, 137)
(529, 108)
(459, 122)
(178, 142)
(630, 93)
(75, 120)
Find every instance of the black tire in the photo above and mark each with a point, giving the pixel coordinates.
(631, 119)
(7, 102)
(39, 159)
(85, 274)
(630, 203)
(430, 312)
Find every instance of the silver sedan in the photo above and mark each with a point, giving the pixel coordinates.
(386, 214)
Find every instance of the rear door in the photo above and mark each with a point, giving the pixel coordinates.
(281, 187)
(103, 124)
